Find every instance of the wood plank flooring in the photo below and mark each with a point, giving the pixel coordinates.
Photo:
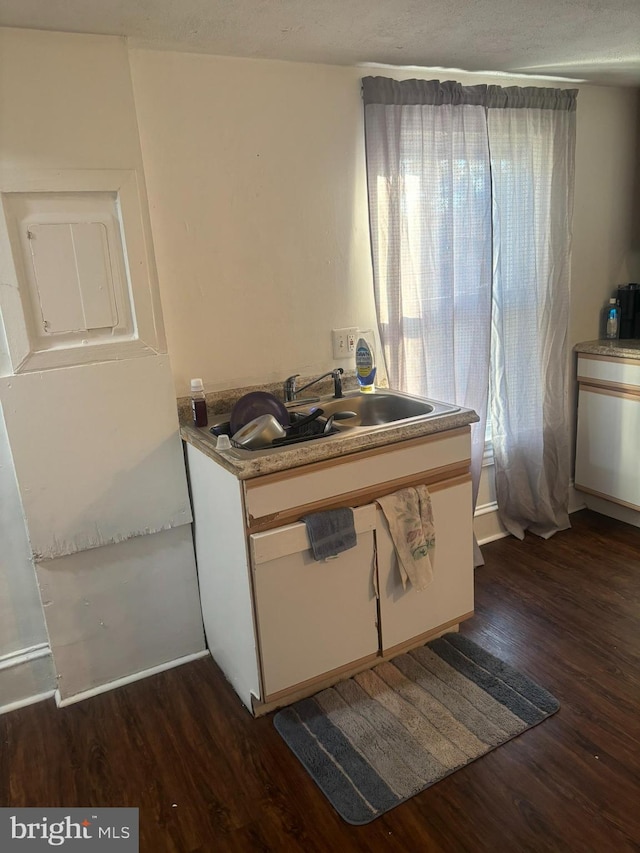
(208, 777)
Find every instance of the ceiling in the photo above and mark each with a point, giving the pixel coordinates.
(593, 40)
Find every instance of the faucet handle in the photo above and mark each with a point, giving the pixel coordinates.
(337, 382)
(290, 388)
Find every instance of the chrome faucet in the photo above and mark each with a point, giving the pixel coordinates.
(291, 392)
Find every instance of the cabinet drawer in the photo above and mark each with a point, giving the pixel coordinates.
(300, 487)
(608, 370)
(293, 538)
(313, 617)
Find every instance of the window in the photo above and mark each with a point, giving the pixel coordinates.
(470, 197)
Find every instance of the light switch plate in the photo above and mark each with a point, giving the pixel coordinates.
(344, 342)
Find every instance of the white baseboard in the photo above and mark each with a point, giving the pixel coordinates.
(488, 527)
(129, 679)
(576, 499)
(29, 700)
(26, 677)
(613, 510)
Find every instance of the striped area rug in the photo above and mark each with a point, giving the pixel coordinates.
(376, 739)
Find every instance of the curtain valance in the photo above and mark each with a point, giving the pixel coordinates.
(384, 90)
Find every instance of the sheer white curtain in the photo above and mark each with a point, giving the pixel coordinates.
(532, 140)
(430, 215)
(460, 205)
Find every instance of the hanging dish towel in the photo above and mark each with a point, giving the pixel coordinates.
(410, 519)
(330, 532)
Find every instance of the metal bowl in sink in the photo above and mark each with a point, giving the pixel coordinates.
(264, 433)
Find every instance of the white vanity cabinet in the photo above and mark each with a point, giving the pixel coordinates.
(607, 458)
(281, 624)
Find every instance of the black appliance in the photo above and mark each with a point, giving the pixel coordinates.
(629, 301)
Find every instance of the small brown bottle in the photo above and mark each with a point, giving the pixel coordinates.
(198, 403)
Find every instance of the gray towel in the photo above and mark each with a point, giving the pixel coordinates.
(330, 532)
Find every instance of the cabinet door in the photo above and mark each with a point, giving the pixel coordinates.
(313, 617)
(607, 459)
(407, 614)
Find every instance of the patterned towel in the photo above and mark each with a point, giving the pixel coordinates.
(410, 519)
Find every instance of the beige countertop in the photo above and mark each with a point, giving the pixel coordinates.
(615, 348)
(245, 464)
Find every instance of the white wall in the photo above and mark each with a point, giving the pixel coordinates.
(606, 228)
(257, 193)
(256, 179)
(26, 668)
(21, 620)
(66, 104)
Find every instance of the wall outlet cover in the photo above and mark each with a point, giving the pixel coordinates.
(344, 342)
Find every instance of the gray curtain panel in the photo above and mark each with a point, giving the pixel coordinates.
(470, 198)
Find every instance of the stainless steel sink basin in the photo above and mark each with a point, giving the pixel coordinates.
(384, 407)
(354, 413)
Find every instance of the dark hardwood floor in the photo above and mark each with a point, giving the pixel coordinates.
(208, 777)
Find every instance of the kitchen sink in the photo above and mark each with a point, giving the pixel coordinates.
(353, 413)
(379, 409)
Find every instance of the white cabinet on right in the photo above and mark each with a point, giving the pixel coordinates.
(608, 433)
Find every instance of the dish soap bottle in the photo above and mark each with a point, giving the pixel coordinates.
(198, 403)
(365, 366)
(612, 328)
